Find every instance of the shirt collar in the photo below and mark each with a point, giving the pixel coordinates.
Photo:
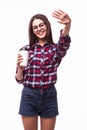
(37, 44)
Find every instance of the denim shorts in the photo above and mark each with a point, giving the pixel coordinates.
(39, 102)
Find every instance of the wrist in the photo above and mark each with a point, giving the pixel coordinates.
(20, 68)
(66, 29)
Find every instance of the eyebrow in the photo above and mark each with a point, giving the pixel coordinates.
(38, 24)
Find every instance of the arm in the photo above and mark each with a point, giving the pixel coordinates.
(64, 19)
(19, 71)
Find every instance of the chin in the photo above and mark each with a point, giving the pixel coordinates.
(42, 37)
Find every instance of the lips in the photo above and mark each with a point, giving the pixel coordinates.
(40, 33)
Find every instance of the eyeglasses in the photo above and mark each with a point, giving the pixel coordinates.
(41, 26)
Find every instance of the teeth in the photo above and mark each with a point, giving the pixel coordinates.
(40, 32)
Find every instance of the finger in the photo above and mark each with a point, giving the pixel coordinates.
(56, 15)
(19, 55)
(60, 11)
(59, 14)
(19, 61)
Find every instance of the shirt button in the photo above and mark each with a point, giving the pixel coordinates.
(42, 50)
(42, 60)
(40, 82)
(41, 72)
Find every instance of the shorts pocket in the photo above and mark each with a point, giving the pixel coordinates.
(27, 92)
(52, 92)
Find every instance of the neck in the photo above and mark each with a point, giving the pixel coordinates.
(42, 42)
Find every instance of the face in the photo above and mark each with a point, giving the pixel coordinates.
(39, 28)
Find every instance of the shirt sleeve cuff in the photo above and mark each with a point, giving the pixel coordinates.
(65, 40)
(18, 81)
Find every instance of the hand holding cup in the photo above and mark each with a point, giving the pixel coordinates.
(22, 58)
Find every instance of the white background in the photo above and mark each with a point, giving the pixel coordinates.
(72, 73)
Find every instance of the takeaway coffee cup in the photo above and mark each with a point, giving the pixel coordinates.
(24, 54)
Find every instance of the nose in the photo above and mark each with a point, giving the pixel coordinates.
(39, 28)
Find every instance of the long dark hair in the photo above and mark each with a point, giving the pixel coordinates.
(32, 37)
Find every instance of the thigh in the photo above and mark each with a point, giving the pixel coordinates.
(48, 123)
(30, 123)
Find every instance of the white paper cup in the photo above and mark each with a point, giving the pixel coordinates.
(24, 54)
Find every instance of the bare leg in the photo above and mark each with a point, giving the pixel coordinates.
(30, 123)
(48, 123)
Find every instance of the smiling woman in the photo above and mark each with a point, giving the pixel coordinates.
(72, 72)
(39, 95)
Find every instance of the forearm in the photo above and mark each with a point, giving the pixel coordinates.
(66, 29)
(19, 75)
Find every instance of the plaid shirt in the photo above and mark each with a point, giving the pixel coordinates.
(43, 62)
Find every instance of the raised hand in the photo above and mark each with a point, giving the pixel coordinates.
(62, 17)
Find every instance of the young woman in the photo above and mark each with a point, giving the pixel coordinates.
(39, 95)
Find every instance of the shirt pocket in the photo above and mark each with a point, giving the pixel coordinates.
(50, 58)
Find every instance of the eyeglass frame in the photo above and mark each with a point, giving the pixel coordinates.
(41, 26)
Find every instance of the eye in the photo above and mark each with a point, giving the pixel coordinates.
(41, 25)
(35, 27)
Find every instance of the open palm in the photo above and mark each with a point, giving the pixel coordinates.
(62, 17)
